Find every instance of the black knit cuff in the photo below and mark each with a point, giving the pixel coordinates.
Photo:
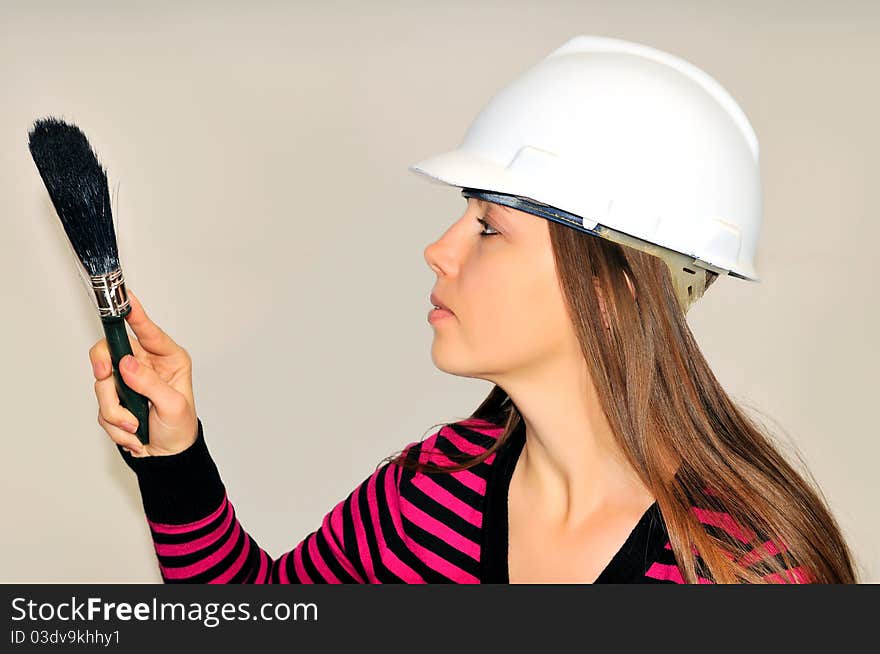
(178, 488)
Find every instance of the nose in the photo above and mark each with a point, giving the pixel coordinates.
(444, 255)
(431, 257)
(440, 255)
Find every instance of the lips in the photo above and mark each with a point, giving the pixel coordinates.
(437, 302)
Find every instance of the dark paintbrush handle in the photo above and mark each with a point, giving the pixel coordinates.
(117, 342)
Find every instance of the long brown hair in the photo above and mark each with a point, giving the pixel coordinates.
(681, 432)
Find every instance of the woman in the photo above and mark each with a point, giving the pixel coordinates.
(607, 188)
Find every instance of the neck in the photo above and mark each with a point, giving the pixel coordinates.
(571, 467)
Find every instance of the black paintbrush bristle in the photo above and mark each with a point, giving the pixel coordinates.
(77, 185)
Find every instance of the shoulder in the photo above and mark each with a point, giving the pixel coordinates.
(437, 516)
(745, 547)
(449, 446)
(468, 437)
(453, 440)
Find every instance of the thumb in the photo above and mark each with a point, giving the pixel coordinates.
(143, 379)
(151, 337)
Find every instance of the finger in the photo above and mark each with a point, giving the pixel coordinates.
(136, 348)
(121, 437)
(170, 405)
(99, 355)
(150, 335)
(109, 407)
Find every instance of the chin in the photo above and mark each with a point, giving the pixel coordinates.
(460, 366)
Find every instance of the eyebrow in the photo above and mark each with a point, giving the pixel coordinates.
(499, 212)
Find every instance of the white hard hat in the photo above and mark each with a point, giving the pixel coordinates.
(626, 142)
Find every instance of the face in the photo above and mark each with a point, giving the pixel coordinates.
(499, 280)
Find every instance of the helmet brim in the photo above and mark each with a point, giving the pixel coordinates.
(462, 168)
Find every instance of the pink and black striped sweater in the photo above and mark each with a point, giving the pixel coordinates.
(395, 527)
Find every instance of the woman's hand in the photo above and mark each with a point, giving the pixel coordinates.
(163, 375)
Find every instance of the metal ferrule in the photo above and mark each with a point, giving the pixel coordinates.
(110, 294)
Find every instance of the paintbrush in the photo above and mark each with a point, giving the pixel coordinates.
(77, 185)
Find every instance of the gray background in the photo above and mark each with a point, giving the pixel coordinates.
(257, 156)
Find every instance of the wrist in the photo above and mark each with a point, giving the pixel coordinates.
(181, 487)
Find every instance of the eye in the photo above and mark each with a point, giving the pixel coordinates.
(486, 225)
